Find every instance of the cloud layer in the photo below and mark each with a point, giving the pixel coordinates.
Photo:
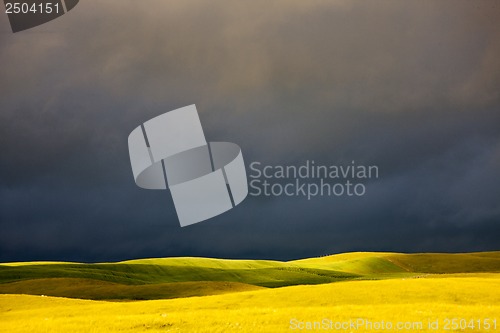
(409, 86)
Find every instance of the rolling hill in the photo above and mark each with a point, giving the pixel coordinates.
(409, 305)
(183, 277)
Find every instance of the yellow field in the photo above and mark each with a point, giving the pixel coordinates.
(410, 301)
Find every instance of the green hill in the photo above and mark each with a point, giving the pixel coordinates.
(368, 263)
(138, 274)
(102, 290)
(182, 277)
(439, 263)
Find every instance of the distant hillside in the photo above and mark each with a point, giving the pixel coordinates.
(184, 277)
(436, 263)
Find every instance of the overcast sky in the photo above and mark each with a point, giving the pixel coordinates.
(410, 86)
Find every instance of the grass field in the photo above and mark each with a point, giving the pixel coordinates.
(214, 295)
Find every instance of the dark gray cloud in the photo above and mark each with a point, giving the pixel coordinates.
(409, 86)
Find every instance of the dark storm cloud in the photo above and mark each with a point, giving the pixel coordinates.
(409, 86)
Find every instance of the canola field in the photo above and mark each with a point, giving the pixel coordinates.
(375, 293)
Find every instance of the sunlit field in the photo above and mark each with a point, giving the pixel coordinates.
(377, 293)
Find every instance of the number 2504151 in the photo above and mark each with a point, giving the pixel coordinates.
(26, 8)
(473, 324)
